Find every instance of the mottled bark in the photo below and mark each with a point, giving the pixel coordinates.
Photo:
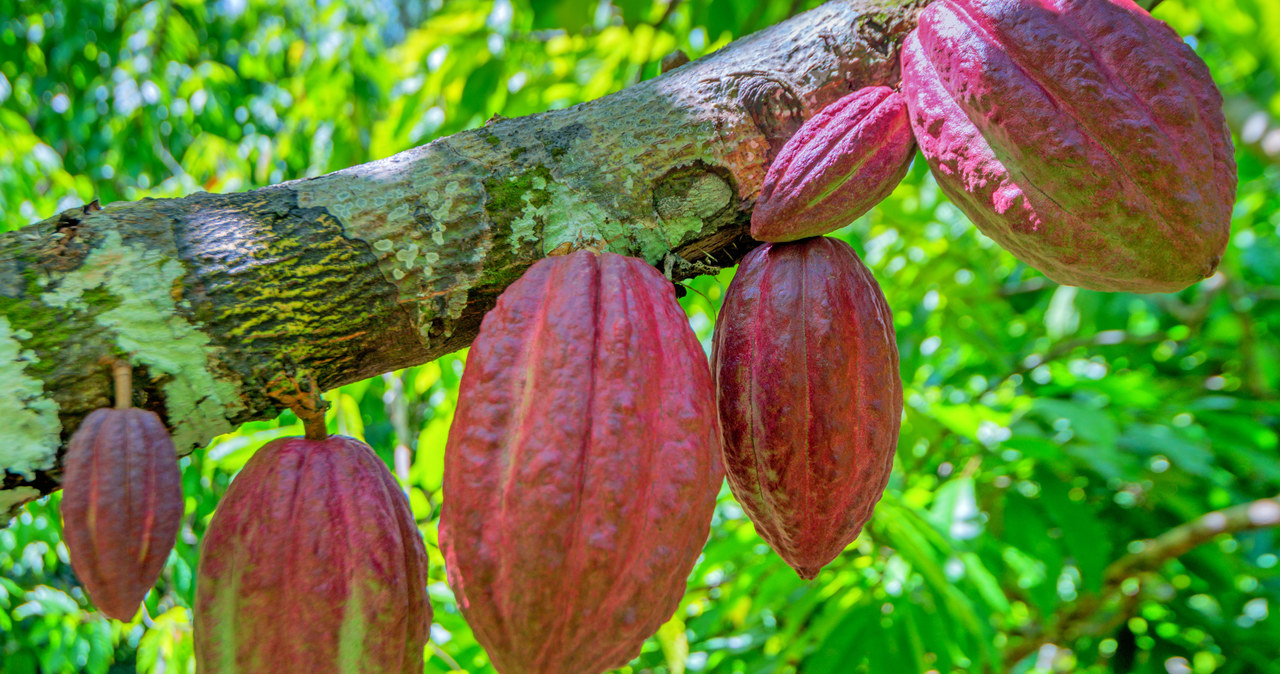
(214, 299)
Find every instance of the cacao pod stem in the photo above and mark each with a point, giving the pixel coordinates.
(122, 373)
(299, 392)
(313, 422)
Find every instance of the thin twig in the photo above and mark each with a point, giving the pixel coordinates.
(1099, 613)
(666, 15)
(439, 652)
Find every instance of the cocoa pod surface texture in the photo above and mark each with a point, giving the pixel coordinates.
(810, 398)
(842, 162)
(582, 466)
(1083, 136)
(121, 506)
(312, 563)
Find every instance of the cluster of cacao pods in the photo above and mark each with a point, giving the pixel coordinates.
(582, 468)
(314, 534)
(1083, 136)
(591, 436)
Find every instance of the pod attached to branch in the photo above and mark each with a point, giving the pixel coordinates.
(841, 163)
(122, 501)
(810, 398)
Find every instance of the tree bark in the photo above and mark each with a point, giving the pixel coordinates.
(218, 301)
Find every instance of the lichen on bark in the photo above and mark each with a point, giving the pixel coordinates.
(31, 417)
(147, 329)
(389, 264)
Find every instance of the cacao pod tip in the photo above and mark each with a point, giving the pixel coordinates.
(119, 538)
(807, 572)
(1212, 267)
(118, 608)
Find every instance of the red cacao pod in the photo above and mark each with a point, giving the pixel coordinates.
(844, 160)
(121, 506)
(581, 469)
(312, 563)
(810, 399)
(1081, 135)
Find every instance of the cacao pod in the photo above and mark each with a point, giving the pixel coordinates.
(581, 469)
(844, 160)
(121, 506)
(1083, 136)
(312, 563)
(810, 399)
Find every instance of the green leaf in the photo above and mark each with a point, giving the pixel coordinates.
(568, 15)
(675, 644)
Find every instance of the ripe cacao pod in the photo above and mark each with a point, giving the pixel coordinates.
(844, 160)
(121, 506)
(810, 399)
(1081, 135)
(581, 469)
(312, 563)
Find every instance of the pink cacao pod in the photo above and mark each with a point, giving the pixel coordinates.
(1081, 135)
(581, 470)
(312, 563)
(806, 367)
(121, 506)
(844, 160)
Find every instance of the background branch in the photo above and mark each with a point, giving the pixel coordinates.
(1099, 613)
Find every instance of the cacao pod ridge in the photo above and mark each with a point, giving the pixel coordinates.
(122, 506)
(581, 469)
(809, 394)
(312, 563)
(1083, 136)
(838, 165)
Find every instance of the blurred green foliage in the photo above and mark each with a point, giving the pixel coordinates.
(1047, 428)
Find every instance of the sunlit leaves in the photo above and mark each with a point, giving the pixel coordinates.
(1046, 428)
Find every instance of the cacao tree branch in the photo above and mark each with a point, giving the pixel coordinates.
(1098, 614)
(216, 299)
(1254, 378)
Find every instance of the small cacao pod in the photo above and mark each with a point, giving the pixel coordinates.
(121, 506)
(581, 469)
(810, 399)
(842, 161)
(312, 563)
(1083, 136)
